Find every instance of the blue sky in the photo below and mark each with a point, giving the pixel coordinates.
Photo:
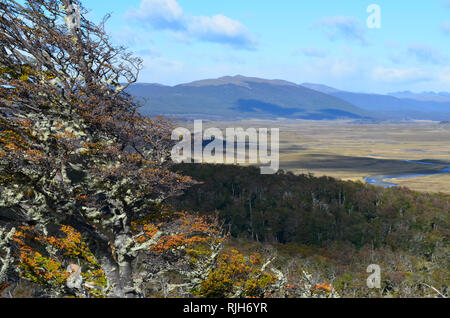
(321, 41)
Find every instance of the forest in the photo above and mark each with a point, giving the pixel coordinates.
(338, 225)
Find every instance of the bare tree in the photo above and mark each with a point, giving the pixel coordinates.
(74, 150)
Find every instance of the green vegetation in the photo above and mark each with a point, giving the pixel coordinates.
(333, 228)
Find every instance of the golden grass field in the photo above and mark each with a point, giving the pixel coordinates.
(353, 151)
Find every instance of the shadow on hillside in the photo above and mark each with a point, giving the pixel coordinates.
(373, 166)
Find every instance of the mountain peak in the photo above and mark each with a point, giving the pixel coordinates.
(238, 80)
(321, 88)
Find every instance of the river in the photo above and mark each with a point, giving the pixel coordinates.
(382, 180)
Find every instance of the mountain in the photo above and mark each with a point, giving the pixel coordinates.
(321, 88)
(394, 107)
(240, 97)
(425, 96)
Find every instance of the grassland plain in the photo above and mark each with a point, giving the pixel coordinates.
(350, 151)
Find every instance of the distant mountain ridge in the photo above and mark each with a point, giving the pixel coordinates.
(240, 97)
(424, 96)
(321, 88)
(395, 106)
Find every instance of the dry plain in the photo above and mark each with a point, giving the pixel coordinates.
(352, 151)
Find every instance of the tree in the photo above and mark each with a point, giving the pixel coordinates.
(6, 259)
(83, 176)
(236, 276)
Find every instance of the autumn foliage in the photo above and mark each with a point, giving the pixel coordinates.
(238, 276)
(46, 260)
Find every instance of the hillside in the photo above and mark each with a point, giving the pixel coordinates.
(334, 228)
(242, 97)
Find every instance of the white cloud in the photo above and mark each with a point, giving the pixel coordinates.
(333, 68)
(342, 27)
(425, 53)
(160, 69)
(221, 29)
(444, 77)
(130, 37)
(151, 51)
(168, 15)
(340, 67)
(396, 75)
(159, 14)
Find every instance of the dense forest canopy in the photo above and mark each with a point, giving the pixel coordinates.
(340, 220)
(301, 208)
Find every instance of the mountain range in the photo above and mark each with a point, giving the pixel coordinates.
(424, 96)
(395, 106)
(240, 97)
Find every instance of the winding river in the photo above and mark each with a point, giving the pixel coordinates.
(382, 180)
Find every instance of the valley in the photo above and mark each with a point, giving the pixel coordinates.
(350, 151)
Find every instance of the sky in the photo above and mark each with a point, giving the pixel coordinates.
(321, 41)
